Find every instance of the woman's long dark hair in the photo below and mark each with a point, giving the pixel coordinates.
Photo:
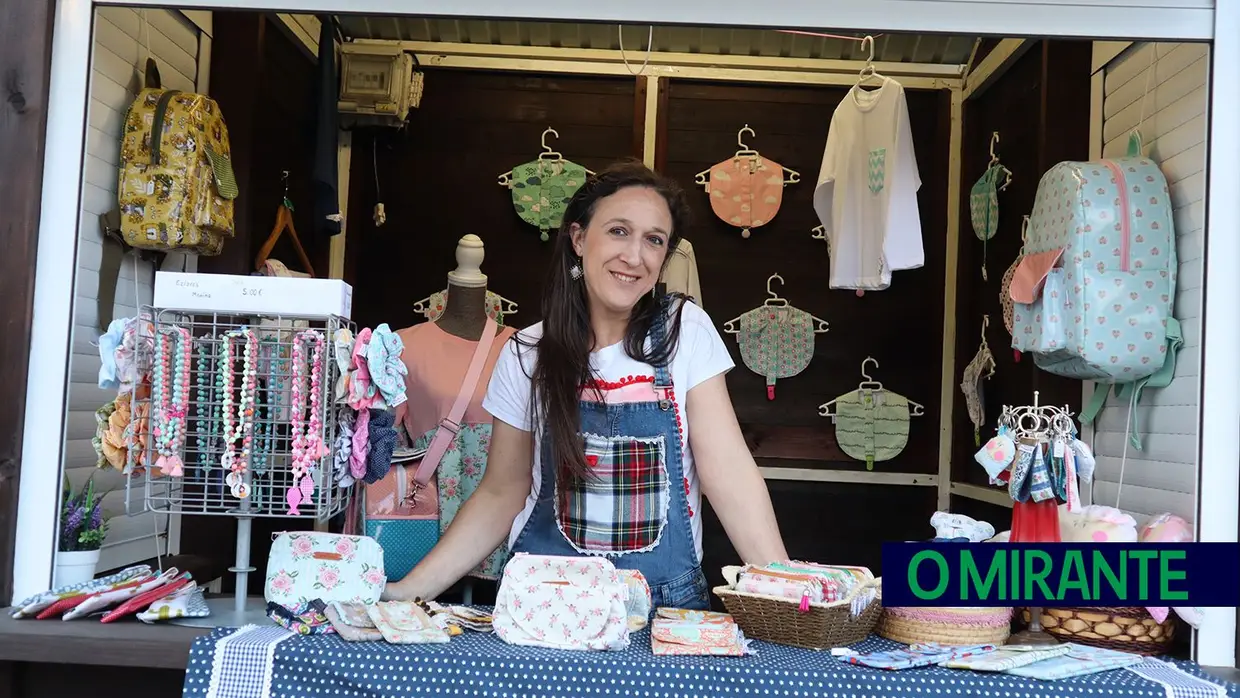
(563, 364)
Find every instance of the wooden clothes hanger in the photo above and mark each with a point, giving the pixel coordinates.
(744, 151)
(824, 410)
(284, 221)
(775, 300)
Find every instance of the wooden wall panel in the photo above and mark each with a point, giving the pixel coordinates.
(25, 62)
(264, 84)
(791, 125)
(1036, 108)
(900, 327)
(437, 179)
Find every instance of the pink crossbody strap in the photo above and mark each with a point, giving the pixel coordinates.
(450, 425)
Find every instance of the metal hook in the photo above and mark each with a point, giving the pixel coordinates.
(994, 140)
(284, 178)
(543, 140)
(865, 361)
(985, 324)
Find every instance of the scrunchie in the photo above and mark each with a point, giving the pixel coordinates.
(382, 444)
(109, 342)
(344, 359)
(387, 371)
(343, 448)
(362, 392)
(127, 353)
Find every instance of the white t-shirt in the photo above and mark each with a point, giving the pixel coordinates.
(866, 197)
(701, 354)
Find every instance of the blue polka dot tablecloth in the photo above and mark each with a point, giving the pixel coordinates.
(482, 665)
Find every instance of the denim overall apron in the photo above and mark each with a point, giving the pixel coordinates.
(635, 513)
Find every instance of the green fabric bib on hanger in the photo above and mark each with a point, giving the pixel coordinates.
(872, 425)
(541, 190)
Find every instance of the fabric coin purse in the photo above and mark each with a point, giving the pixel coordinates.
(570, 603)
(996, 455)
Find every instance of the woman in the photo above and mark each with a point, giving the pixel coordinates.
(638, 380)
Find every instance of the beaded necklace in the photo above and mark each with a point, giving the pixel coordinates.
(202, 408)
(308, 446)
(239, 417)
(170, 396)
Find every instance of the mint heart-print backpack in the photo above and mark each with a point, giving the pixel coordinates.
(1100, 310)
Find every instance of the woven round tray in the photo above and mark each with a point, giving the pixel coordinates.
(1115, 628)
(782, 622)
(947, 626)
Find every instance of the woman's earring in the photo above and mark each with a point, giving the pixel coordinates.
(575, 272)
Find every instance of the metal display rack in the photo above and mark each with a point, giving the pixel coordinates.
(202, 488)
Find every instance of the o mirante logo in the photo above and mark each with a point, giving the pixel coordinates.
(1061, 574)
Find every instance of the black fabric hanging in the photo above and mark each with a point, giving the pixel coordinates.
(327, 220)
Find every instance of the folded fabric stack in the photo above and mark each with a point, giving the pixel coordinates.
(801, 581)
(677, 631)
(138, 591)
(1043, 662)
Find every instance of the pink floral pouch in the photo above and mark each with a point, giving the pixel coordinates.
(307, 565)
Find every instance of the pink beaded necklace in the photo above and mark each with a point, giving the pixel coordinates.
(308, 446)
(170, 397)
(239, 417)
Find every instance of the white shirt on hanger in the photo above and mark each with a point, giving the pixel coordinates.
(866, 196)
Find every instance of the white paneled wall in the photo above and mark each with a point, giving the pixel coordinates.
(1162, 476)
(124, 38)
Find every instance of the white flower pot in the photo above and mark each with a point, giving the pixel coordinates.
(75, 567)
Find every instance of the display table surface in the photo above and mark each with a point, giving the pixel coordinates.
(128, 642)
(477, 664)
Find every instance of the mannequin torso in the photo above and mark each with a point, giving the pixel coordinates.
(465, 316)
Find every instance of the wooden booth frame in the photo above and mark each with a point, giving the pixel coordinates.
(42, 437)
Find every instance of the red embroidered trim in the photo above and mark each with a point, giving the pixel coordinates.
(616, 385)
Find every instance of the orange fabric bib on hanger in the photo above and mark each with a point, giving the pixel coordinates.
(746, 191)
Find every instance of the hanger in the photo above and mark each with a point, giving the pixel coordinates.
(994, 160)
(824, 410)
(744, 151)
(547, 155)
(284, 221)
(774, 301)
(819, 232)
(507, 307)
(868, 71)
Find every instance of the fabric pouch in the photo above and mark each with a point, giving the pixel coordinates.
(352, 622)
(307, 565)
(640, 602)
(186, 603)
(107, 599)
(32, 606)
(798, 587)
(562, 602)
(304, 619)
(960, 526)
(669, 636)
(1079, 660)
(1084, 460)
(405, 623)
(1007, 657)
(996, 455)
(916, 655)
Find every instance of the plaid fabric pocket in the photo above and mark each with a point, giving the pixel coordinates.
(623, 507)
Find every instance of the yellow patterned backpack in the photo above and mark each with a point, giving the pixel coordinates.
(176, 185)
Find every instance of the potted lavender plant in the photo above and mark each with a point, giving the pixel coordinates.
(82, 529)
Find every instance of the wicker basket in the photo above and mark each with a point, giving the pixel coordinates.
(1116, 628)
(947, 626)
(781, 621)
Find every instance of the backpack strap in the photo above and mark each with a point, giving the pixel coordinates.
(450, 425)
(1131, 391)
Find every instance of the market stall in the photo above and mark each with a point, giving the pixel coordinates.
(326, 366)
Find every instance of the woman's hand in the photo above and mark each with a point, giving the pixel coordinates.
(482, 523)
(730, 477)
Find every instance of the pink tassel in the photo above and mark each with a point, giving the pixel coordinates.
(293, 498)
(176, 466)
(804, 607)
(162, 464)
